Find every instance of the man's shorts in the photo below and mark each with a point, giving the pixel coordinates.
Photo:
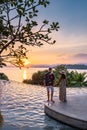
(50, 88)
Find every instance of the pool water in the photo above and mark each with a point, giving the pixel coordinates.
(22, 107)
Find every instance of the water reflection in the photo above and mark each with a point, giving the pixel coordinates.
(22, 106)
(25, 74)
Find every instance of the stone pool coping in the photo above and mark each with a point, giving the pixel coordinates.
(73, 112)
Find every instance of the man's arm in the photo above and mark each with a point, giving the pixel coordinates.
(44, 83)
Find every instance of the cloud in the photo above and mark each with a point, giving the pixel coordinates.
(68, 58)
(80, 58)
(81, 55)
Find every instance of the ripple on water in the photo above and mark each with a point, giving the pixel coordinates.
(23, 106)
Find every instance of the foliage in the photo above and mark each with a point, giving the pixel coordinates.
(28, 81)
(3, 76)
(2, 63)
(18, 25)
(74, 79)
(37, 78)
(57, 71)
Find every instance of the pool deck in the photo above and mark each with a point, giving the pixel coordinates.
(73, 112)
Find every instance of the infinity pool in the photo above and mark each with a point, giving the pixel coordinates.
(22, 107)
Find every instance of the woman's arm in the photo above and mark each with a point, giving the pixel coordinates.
(60, 80)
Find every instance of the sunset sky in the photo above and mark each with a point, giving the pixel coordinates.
(71, 39)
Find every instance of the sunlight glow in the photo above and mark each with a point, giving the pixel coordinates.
(25, 74)
(26, 63)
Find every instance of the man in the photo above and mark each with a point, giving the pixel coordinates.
(49, 83)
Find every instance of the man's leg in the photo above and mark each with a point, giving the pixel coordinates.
(48, 96)
(48, 93)
(51, 95)
(52, 92)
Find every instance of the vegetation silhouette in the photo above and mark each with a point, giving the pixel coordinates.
(17, 29)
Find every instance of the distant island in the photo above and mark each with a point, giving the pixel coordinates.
(68, 66)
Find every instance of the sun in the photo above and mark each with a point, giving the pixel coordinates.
(26, 63)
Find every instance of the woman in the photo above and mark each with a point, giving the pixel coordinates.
(62, 87)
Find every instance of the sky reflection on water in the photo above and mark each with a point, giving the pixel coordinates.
(22, 107)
